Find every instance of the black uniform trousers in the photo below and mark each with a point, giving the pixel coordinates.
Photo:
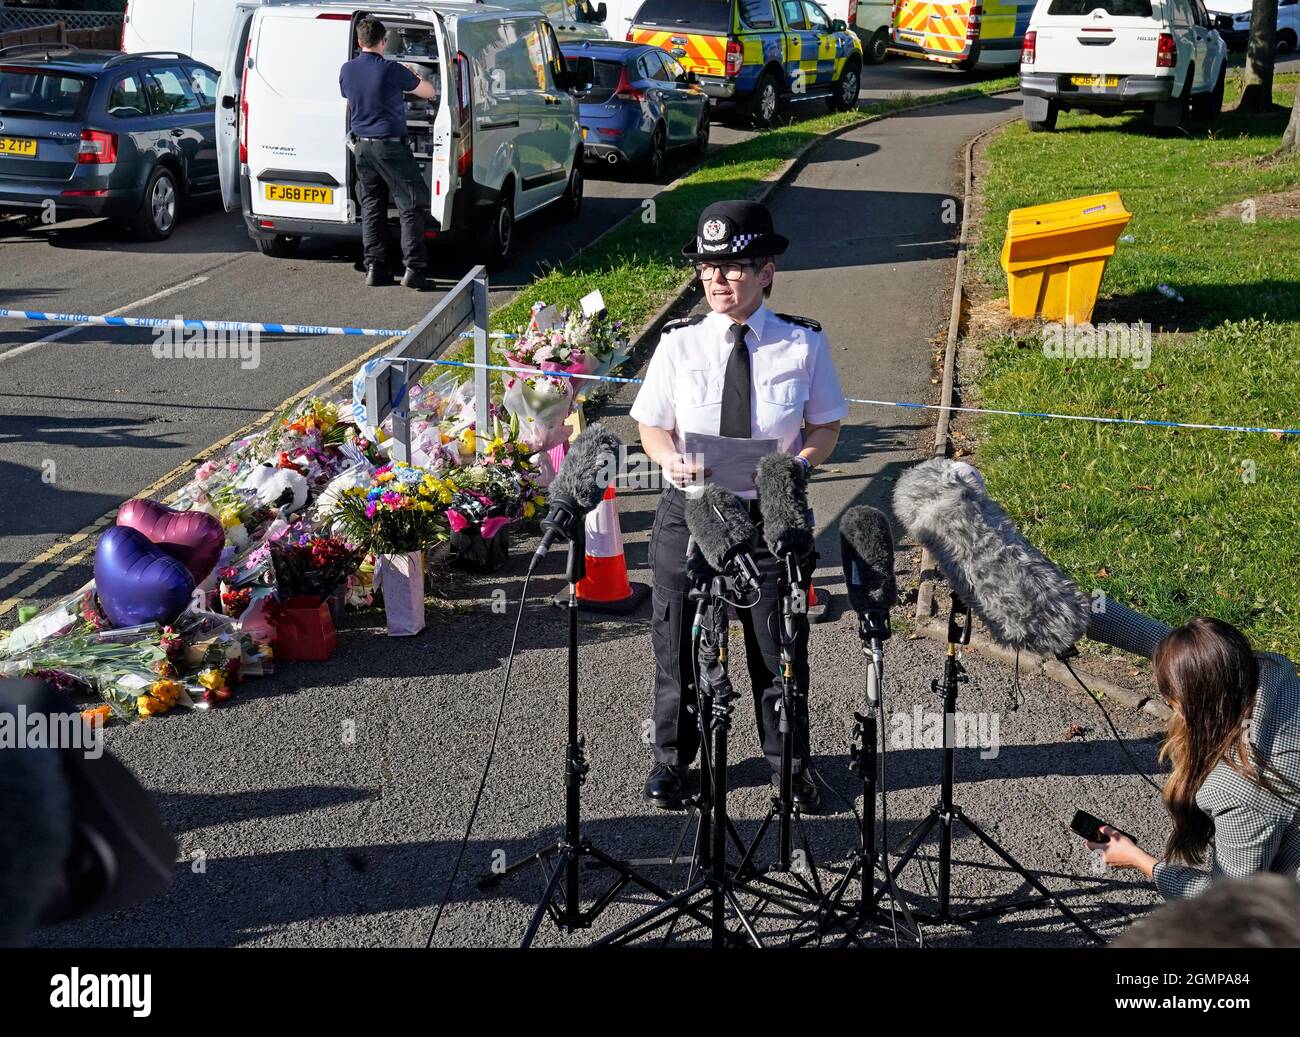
(388, 167)
(676, 728)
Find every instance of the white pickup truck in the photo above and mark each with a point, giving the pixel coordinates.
(1109, 56)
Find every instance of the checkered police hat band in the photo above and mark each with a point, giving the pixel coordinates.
(737, 243)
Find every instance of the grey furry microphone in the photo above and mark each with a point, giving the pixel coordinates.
(724, 533)
(782, 487)
(1022, 597)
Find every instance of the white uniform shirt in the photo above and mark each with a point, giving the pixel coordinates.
(793, 380)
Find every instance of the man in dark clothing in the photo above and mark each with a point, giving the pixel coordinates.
(374, 88)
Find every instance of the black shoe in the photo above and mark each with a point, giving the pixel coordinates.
(415, 279)
(807, 797)
(663, 788)
(377, 276)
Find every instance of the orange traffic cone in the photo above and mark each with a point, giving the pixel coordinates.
(605, 587)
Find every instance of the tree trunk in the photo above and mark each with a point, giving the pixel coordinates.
(1290, 146)
(1257, 79)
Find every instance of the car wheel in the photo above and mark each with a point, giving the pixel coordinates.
(702, 134)
(156, 218)
(847, 88)
(765, 102)
(282, 246)
(1047, 125)
(877, 48)
(657, 157)
(571, 203)
(499, 239)
(1209, 105)
(1286, 41)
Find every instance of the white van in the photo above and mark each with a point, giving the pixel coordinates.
(871, 20)
(1115, 55)
(502, 141)
(198, 28)
(571, 19)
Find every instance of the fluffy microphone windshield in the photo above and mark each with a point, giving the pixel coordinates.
(1024, 600)
(783, 501)
(720, 525)
(589, 468)
(867, 552)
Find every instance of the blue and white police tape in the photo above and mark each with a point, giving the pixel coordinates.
(237, 327)
(878, 403)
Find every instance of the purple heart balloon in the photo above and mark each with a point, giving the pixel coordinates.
(192, 537)
(137, 581)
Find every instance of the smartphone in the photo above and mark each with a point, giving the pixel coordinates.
(1089, 827)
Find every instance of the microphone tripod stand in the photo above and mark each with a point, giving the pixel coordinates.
(794, 617)
(945, 813)
(874, 629)
(561, 862)
(719, 884)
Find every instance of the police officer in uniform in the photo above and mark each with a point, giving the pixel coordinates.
(740, 371)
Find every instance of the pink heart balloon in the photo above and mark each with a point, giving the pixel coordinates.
(193, 538)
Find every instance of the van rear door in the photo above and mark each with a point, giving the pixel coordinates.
(695, 32)
(296, 117)
(936, 30)
(229, 88)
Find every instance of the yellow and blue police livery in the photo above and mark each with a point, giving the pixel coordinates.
(756, 54)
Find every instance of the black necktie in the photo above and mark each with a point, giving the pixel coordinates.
(735, 388)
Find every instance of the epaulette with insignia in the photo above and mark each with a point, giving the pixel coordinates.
(682, 322)
(803, 322)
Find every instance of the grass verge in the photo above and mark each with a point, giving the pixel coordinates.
(1176, 522)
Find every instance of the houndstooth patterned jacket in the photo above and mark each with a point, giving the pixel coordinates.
(1254, 830)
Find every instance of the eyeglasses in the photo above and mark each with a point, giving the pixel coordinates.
(731, 271)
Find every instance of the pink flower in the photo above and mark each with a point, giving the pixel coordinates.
(391, 499)
(492, 526)
(456, 520)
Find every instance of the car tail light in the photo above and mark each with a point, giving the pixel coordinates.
(735, 57)
(853, 13)
(973, 20)
(121, 43)
(464, 99)
(243, 107)
(625, 91)
(631, 34)
(1028, 51)
(1166, 51)
(609, 131)
(334, 17)
(97, 148)
(266, 224)
(86, 194)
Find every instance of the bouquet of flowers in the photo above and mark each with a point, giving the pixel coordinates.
(313, 566)
(402, 509)
(573, 342)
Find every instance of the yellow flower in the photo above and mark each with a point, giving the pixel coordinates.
(212, 679)
(468, 441)
(230, 517)
(529, 511)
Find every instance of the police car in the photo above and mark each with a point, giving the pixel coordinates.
(757, 54)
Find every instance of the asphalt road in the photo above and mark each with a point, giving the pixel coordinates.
(326, 805)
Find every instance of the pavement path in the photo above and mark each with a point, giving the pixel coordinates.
(326, 806)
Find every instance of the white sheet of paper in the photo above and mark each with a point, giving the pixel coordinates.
(732, 462)
(593, 304)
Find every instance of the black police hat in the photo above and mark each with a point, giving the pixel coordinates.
(735, 230)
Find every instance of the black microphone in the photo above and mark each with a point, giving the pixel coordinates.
(724, 533)
(782, 486)
(589, 469)
(1024, 600)
(867, 553)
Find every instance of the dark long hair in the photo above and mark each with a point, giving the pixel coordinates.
(1207, 672)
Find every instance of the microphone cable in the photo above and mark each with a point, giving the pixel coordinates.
(1137, 767)
(487, 766)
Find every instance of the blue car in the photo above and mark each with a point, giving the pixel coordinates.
(641, 106)
(102, 134)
